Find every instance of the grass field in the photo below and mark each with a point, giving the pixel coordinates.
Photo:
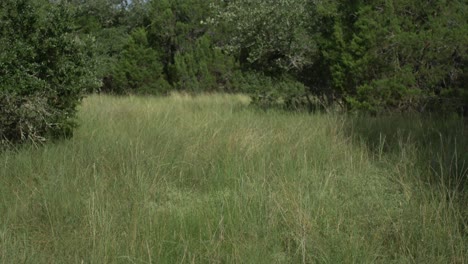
(211, 180)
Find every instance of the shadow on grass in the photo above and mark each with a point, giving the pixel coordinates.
(436, 147)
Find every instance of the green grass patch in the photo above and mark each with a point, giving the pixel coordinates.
(208, 179)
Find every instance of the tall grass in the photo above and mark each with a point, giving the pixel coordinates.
(210, 180)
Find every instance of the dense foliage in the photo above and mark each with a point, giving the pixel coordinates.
(152, 47)
(138, 69)
(376, 56)
(44, 69)
(397, 54)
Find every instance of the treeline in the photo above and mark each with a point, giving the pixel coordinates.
(373, 56)
(376, 56)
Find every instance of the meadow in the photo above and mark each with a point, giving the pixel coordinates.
(210, 179)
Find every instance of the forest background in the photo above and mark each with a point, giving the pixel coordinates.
(368, 56)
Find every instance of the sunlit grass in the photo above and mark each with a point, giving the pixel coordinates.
(209, 179)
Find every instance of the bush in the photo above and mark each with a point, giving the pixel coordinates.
(24, 118)
(279, 92)
(45, 70)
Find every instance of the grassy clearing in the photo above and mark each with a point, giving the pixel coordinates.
(210, 180)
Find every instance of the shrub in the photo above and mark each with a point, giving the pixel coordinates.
(25, 118)
(45, 70)
(279, 92)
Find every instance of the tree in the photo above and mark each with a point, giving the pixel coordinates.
(267, 35)
(179, 32)
(395, 55)
(175, 27)
(110, 22)
(370, 55)
(138, 69)
(204, 68)
(272, 41)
